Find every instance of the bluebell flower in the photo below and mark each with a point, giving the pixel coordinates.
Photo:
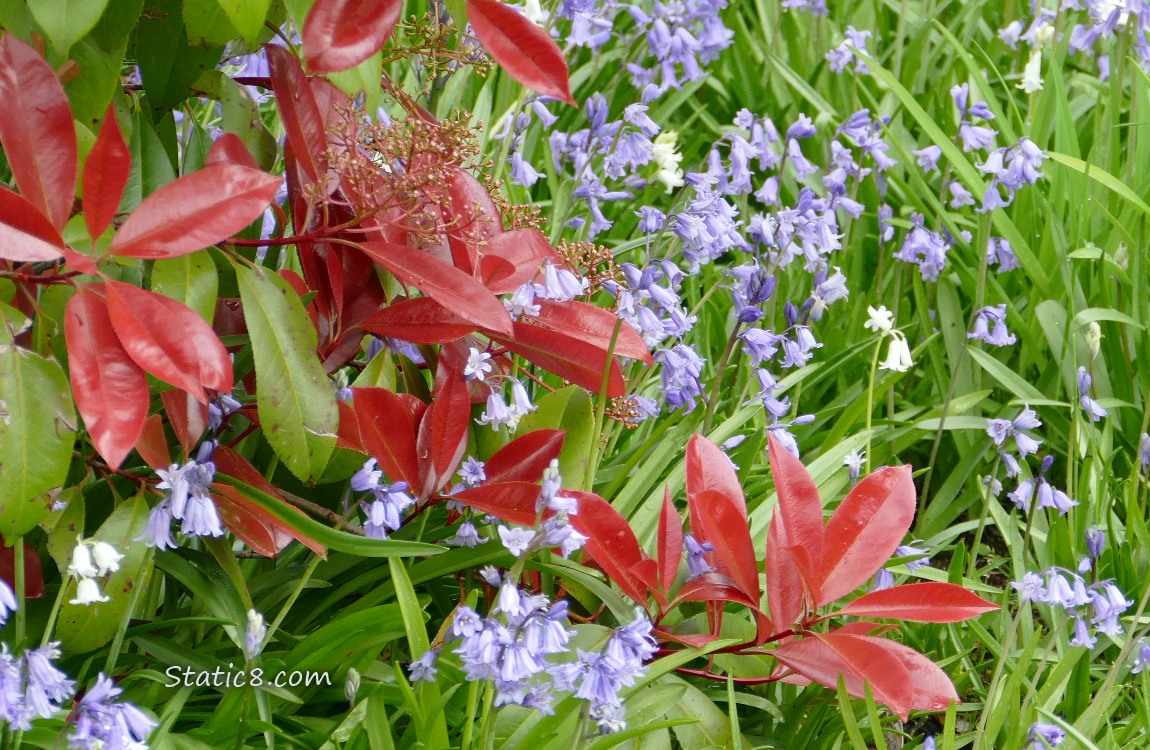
(384, 513)
(516, 540)
(925, 248)
(928, 158)
(472, 472)
(990, 326)
(45, 686)
(466, 536)
(680, 372)
(1095, 541)
(219, 408)
(522, 172)
(102, 723)
(1043, 736)
(651, 219)
(842, 56)
(999, 253)
(1001, 429)
(1141, 658)
(1092, 408)
(696, 553)
(522, 302)
(255, 634)
(423, 669)
(8, 603)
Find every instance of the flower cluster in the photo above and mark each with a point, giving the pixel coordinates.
(188, 500)
(990, 326)
(103, 723)
(92, 560)
(383, 513)
(1099, 604)
(31, 686)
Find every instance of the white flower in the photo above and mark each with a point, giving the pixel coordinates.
(533, 12)
(898, 355)
(667, 159)
(255, 634)
(88, 592)
(1093, 336)
(82, 566)
(1032, 74)
(478, 365)
(880, 319)
(107, 558)
(516, 540)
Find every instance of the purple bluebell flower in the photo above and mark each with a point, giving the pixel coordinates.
(472, 472)
(697, 564)
(466, 536)
(102, 723)
(1141, 658)
(842, 56)
(522, 302)
(522, 172)
(999, 253)
(219, 408)
(560, 283)
(924, 248)
(384, 513)
(1001, 429)
(1092, 408)
(1043, 736)
(516, 540)
(680, 372)
(423, 669)
(990, 326)
(498, 413)
(1095, 541)
(478, 365)
(928, 158)
(45, 687)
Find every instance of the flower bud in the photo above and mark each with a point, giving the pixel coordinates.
(351, 685)
(1093, 336)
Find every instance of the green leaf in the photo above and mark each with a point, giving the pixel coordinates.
(341, 541)
(151, 168)
(1095, 314)
(168, 64)
(568, 409)
(1009, 379)
(338, 645)
(247, 16)
(115, 26)
(63, 527)
(364, 77)
(85, 627)
(92, 89)
(66, 21)
(191, 279)
(37, 431)
(1102, 177)
(207, 23)
(434, 734)
(297, 406)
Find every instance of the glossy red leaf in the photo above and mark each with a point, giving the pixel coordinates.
(569, 358)
(526, 457)
(511, 259)
(694, 640)
(388, 427)
(169, 339)
(348, 435)
(525, 51)
(111, 390)
(712, 587)
(785, 590)
(670, 541)
(33, 572)
(931, 689)
(646, 571)
(723, 525)
(238, 517)
(232, 464)
(229, 149)
(800, 511)
(420, 320)
(859, 659)
(442, 437)
(611, 543)
(471, 217)
(865, 530)
(106, 172)
(458, 292)
(340, 34)
(187, 416)
(594, 325)
(921, 602)
(26, 235)
(511, 501)
(300, 114)
(153, 443)
(708, 468)
(36, 130)
(195, 211)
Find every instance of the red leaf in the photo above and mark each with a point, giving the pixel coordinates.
(153, 443)
(238, 517)
(187, 416)
(420, 320)
(348, 434)
(859, 659)
(695, 640)
(36, 130)
(510, 501)
(33, 572)
(232, 464)
(724, 526)
(647, 572)
(670, 544)
(931, 689)
(300, 114)
(921, 602)
(593, 325)
(523, 251)
(229, 149)
(340, 34)
(569, 358)
(865, 530)
(442, 437)
(611, 543)
(800, 511)
(196, 211)
(784, 583)
(169, 340)
(708, 468)
(106, 174)
(524, 50)
(525, 457)
(471, 217)
(447, 285)
(388, 429)
(110, 388)
(712, 587)
(26, 235)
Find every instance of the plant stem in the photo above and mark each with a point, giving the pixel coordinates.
(870, 400)
(724, 360)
